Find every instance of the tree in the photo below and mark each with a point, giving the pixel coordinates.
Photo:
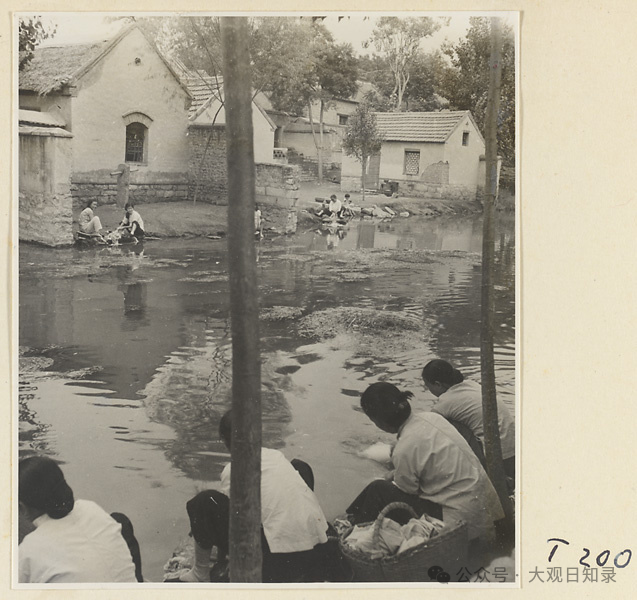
(31, 32)
(466, 82)
(399, 40)
(362, 138)
(421, 92)
(320, 72)
(424, 72)
(492, 448)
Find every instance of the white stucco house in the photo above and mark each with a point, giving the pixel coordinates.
(429, 154)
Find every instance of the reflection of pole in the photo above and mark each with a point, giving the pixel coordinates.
(493, 449)
(245, 485)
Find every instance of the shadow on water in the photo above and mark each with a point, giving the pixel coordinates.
(125, 357)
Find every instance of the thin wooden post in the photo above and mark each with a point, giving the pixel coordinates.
(245, 486)
(493, 449)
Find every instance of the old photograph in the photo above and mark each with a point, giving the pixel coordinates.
(282, 245)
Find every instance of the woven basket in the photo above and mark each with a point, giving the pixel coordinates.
(447, 550)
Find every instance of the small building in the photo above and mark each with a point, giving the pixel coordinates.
(428, 154)
(124, 104)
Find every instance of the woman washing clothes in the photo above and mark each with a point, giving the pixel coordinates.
(132, 224)
(66, 540)
(435, 471)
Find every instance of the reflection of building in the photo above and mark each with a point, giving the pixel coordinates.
(366, 234)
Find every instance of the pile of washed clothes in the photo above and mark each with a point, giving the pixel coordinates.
(393, 538)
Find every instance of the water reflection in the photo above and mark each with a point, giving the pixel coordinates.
(138, 355)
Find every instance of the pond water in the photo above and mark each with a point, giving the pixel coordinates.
(125, 356)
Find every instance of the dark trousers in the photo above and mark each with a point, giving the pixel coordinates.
(209, 514)
(378, 494)
(131, 541)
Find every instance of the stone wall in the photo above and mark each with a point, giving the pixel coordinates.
(45, 203)
(207, 170)
(436, 191)
(419, 189)
(139, 193)
(436, 173)
(277, 184)
(308, 165)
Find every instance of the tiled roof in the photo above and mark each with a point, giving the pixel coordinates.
(418, 126)
(201, 87)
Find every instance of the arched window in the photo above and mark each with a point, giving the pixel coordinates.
(136, 142)
(137, 126)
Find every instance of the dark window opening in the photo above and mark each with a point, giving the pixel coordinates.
(465, 138)
(135, 142)
(342, 119)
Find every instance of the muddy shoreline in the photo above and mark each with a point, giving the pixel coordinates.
(187, 219)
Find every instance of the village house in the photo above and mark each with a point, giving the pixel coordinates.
(425, 154)
(124, 104)
(120, 102)
(295, 134)
(276, 182)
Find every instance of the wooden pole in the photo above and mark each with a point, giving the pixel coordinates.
(245, 485)
(493, 449)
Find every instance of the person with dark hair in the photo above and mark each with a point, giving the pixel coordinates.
(293, 527)
(89, 223)
(435, 471)
(72, 541)
(460, 401)
(132, 223)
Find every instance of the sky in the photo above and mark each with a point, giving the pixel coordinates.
(353, 28)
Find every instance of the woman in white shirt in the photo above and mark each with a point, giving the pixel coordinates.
(460, 401)
(90, 223)
(293, 534)
(435, 470)
(132, 223)
(71, 541)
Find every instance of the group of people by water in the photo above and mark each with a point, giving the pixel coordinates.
(334, 211)
(131, 227)
(437, 469)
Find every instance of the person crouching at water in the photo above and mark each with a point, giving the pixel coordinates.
(90, 223)
(70, 541)
(132, 223)
(293, 527)
(460, 401)
(435, 471)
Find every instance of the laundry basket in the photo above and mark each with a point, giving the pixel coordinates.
(447, 550)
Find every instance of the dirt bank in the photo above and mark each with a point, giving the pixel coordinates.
(184, 219)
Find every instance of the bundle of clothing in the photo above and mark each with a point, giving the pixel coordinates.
(393, 538)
